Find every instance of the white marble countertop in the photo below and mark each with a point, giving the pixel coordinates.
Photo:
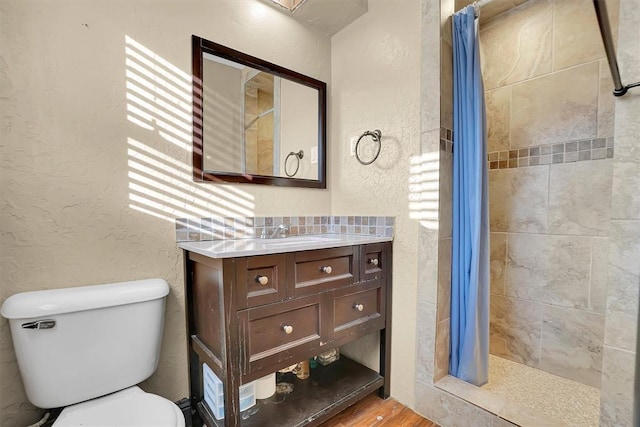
(249, 247)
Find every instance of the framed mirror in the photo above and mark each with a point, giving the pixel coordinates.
(254, 121)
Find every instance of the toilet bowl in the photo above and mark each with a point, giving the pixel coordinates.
(86, 348)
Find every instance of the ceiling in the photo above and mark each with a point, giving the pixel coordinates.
(328, 16)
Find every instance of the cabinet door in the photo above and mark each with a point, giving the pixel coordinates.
(311, 272)
(261, 280)
(274, 333)
(374, 261)
(358, 310)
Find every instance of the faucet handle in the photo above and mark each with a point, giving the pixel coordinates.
(280, 230)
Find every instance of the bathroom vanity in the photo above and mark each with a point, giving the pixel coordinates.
(255, 306)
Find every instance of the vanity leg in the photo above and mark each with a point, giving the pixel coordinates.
(385, 334)
(385, 364)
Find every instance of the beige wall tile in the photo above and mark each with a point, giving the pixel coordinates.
(494, 8)
(490, 9)
(616, 397)
(621, 330)
(625, 199)
(599, 271)
(622, 288)
(479, 396)
(549, 269)
(624, 266)
(515, 328)
(447, 8)
(444, 279)
(580, 198)
(446, 85)
(498, 262)
(518, 199)
(426, 342)
(605, 101)
(624, 270)
(427, 266)
(498, 103)
(430, 65)
(572, 344)
(448, 410)
(517, 46)
(443, 334)
(558, 107)
(576, 35)
(628, 57)
(445, 196)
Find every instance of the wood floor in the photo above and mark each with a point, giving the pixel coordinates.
(373, 411)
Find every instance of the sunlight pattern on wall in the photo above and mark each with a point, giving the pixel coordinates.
(159, 104)
(424, 188)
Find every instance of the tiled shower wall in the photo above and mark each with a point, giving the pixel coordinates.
(550, 128)
(616, 396)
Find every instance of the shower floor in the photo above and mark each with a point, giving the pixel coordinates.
(573, 403)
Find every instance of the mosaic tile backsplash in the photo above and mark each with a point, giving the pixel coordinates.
(219, 228)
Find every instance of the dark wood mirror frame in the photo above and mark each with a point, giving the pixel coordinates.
(201, 46)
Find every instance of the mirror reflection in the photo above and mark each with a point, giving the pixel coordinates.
(258, 122)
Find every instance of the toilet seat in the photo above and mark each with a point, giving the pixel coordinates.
(129, 407)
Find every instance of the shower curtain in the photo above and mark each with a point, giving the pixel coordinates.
(470, 243)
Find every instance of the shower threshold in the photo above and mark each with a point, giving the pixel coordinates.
(526, 396)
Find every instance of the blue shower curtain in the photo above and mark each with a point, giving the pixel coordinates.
(470, 244)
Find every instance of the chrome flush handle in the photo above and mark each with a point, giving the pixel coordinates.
(40, 324)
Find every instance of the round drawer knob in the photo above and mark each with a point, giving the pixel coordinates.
(373, 261)
(263, 280)
(326, 269)
(359, 307)
(287, 329)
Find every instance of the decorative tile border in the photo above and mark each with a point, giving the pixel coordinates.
(563, 152)
(547, 154)
(219, 228)
(446, 140)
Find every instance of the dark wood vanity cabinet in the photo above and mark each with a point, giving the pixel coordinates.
(250, 316)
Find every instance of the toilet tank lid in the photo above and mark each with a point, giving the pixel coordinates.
(33, 304)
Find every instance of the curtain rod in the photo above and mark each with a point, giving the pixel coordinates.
(476, 6)
(607, 39)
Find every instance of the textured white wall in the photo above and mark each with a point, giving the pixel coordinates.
(72, 164)
(376, 85)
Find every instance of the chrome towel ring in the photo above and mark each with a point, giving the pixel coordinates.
(298, 156)
(376, 135)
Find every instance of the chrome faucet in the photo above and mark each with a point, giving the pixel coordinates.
(279, 231)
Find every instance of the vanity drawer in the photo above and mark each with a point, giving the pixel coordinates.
(311, 272)
(260, 280)
(277, 332)
(358, 309)
(374, 261)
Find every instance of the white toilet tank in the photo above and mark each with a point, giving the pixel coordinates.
(75, 344)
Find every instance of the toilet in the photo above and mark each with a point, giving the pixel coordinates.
(86, 348)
